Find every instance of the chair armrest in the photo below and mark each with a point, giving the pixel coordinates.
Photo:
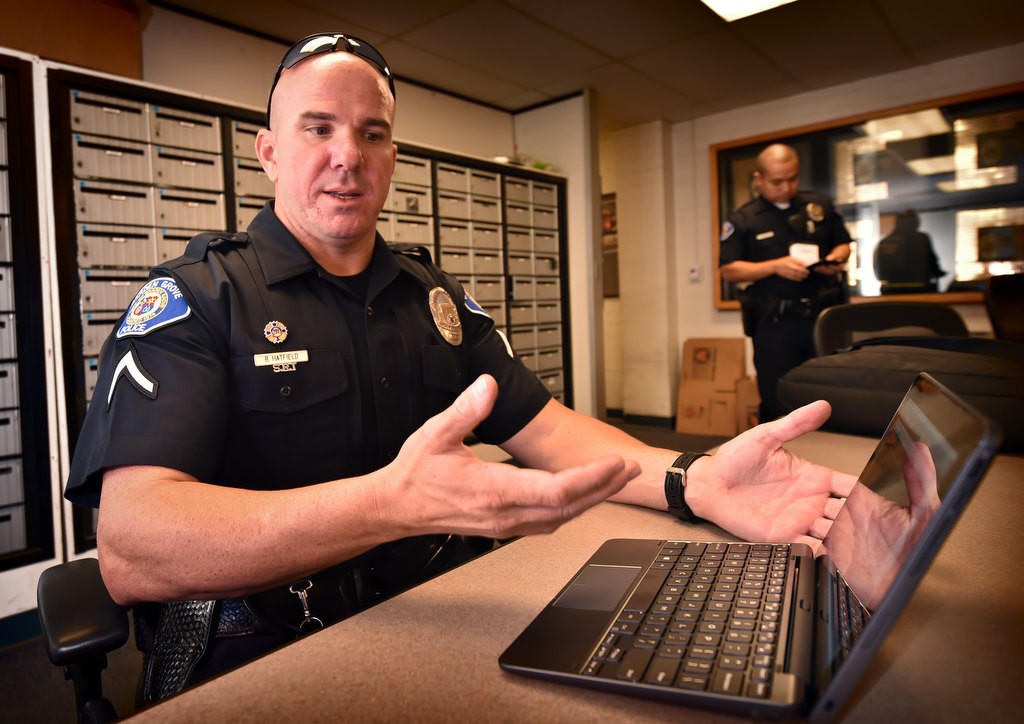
(78, 617)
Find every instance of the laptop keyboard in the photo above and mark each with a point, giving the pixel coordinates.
(706, 616)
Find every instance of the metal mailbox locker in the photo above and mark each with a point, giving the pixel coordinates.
(488, 290)
(12, 489)
(452, 205)
(12, 528)
(517, 214)
(107, 293)
(523, 289)
(5, 238)
(487, 261)
(484, 236)
(411, 170)
(3, 141)
(110, 158)
(109, 203)
(187, 169)
(8, 337)
(171, 243)
(189, 209)
(517, 190)
(519, 240)
(456, 261)
(5, 192)
(9, 384)
(497, 312)
(545, 264)
(545, 242)
(545, 217)
(92, 375)
(414, 230)
(405, 199)
(483, 183)
(529, 359)
(96, 327)
(520, 263)
(548, 289)
(3, 99)
(452, 178)
(243, 139)
(184, 129)
(549, 359)
(549, 336)
(522, 313)
(103, 245)
(554, 381)
(6, 289)
(483, 209)
(10, 432)
(252, 180)
(548, 312)
(109, 116)
(523, 340)
(246, 208)
(544, 194)
(451, 234)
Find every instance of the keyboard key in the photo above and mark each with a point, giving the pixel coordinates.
(662, 672)
(733, 663)
(727, 682)
(634, 664)
(692, 681)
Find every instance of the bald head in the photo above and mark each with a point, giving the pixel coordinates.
(778, 174)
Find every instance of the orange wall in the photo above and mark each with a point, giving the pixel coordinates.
(103, 35)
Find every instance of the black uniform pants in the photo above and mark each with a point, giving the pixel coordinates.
(780, 344)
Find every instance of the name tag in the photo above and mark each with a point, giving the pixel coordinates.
(765, 235)
(280, 358)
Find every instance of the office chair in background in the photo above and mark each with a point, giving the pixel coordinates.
(1004, 301)
(81, 624)
(845, 325)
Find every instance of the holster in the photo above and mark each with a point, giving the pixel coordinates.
(172, 637)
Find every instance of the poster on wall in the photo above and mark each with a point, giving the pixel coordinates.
(610, 244)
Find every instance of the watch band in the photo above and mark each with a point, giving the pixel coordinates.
(675, 487)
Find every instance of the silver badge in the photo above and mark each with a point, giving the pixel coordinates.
(446, 316)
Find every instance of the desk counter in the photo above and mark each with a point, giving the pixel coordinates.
(431, 654)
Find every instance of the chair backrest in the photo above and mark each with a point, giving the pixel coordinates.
(848, 324)
(1004, 300)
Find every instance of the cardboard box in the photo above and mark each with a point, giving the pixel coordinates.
(748, 400)
(721, 361)
(705, 410)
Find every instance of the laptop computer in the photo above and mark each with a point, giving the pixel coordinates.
(768, 630)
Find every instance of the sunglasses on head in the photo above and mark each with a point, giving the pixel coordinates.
(317, 44)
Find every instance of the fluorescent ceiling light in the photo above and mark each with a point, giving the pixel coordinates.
(736, 9)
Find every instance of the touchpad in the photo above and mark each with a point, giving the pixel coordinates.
(598, 588)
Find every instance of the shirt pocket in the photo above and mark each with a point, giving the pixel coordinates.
(262, 389)
(444, 370)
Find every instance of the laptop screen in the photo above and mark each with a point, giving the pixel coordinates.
(891, 521)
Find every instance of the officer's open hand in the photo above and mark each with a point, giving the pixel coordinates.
(437, 485)
(757, 490)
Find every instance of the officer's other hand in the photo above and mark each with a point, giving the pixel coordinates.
(437, 485)
(791, 268)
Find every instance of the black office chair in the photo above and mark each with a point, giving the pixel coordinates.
(848, 324)
(81, 624)
(1004, 301)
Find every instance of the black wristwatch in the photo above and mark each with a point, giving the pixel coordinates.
(675, 487)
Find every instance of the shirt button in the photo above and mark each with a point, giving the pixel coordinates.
(286, 391)
(369, 311)
(385, 382)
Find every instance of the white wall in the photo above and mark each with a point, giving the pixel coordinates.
(694, 232)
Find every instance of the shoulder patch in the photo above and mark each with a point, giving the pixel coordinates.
(473, 306)
(727, 230)
(156, 305)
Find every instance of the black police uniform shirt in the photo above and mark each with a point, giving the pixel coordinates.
(245, 364)
(760, 230)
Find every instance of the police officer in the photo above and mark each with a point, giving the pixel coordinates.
(793, 247)
(276, 439)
